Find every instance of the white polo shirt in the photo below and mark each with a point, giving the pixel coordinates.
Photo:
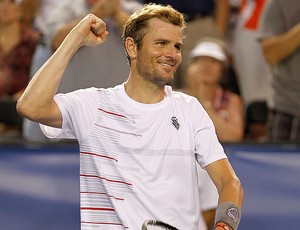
(138, 161)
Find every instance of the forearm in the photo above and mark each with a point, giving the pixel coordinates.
(228, 213)
(280, 47)
(222, 15)
(228, 184)
(230, 192)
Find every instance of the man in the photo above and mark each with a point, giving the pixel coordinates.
(279, 34)
(139, 141)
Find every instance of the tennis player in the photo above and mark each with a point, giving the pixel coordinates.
(140, 142)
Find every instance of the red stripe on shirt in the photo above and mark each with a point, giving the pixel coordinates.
(101, 193)
(103, 178)
(98, 155)
(115, 114)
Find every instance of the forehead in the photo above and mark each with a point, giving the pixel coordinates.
(162, 29)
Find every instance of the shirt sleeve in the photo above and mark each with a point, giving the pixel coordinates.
(207, 146)
(79, 110)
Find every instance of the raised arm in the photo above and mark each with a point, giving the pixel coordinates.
(230, 191)
(37, 102)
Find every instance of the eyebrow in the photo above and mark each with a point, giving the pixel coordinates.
(167, 41)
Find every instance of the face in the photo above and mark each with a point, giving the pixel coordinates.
(208, 70)
(9, 11)
(160, 53)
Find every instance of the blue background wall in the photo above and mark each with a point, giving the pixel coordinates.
(39, 186)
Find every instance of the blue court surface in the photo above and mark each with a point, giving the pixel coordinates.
(39, 186)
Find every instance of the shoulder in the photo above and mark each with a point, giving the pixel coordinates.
(80, 95)
(180, 96)
(185, 103)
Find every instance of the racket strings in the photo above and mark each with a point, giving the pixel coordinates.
(157, 225)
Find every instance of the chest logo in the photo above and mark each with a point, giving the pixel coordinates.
(175, 122)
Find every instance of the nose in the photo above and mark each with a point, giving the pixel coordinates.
(173, 52)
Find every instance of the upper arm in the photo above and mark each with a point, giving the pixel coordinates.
(47, 115)
(52, 117)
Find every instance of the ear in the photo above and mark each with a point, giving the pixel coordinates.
(131, 48)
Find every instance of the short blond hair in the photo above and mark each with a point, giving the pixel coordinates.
(137, 24)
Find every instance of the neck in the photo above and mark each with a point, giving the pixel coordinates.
(143, 91)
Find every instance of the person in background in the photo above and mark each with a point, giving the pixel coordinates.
(256, 120)
(204, 18)
(279, 36)
(17, 45)
(42, 51)
(60, 25)
(86, 62)
(203, 81)
(139, 141)
(30, 9)
(252, 71)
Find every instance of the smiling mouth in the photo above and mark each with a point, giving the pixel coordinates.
(168, 65)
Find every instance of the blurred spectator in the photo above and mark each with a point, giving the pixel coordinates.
(256, 120)
(17, 44)
(30, 9)
(252, 71)
(279, 33)
(42, 52)
(204, 18)
(88, 67)
(203, 80)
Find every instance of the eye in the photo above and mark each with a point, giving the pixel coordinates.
(178, 47)
(161, 43)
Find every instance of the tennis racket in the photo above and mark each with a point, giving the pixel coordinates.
(157, 225)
